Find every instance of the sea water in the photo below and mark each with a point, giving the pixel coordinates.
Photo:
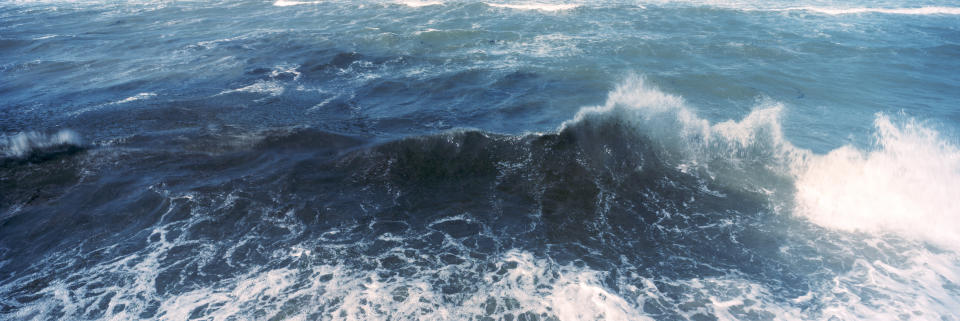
(463, 160)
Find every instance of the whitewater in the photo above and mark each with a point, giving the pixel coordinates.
(467, 160)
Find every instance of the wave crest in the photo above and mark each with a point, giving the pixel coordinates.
(907, 184)
(750, 154)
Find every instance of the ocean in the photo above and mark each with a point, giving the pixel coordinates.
(460, 160)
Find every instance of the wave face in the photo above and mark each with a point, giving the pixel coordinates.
(500, 160)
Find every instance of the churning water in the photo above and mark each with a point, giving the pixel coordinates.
(459, 160)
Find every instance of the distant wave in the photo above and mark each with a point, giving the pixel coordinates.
(287, 3)
(900, 11)
(538, 6)
(551, 7)
(417, 4)
(535, 6)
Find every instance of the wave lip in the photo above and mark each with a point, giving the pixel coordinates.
(25, 144)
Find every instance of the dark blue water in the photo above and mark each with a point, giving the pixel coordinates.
(358, 160)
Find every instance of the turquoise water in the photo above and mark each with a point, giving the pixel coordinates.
(669, 160)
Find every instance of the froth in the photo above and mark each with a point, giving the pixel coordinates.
(909, 184)
(529, 286)
(574, 293)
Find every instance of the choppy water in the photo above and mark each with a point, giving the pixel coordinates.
(445, 160)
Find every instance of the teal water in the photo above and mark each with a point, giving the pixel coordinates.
(668, 160)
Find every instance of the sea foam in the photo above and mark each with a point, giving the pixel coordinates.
(908, 183)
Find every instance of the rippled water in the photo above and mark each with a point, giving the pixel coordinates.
(424, 160)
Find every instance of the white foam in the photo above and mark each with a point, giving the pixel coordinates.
(908, 185)
(573, 293)
(282, 69)
(136, 97)
(534, 285)
(876, 290)
(272, 88)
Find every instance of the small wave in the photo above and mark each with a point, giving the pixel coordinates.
(30, 143)
(899, 11)
(136, 97)
(821, 9)
(417, 4)
(140, 96)
(287, 3)
(271, 88)
(535, 6)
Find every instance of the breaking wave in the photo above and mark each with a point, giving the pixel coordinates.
(907, 183)
(27, 144)
(634, 209)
